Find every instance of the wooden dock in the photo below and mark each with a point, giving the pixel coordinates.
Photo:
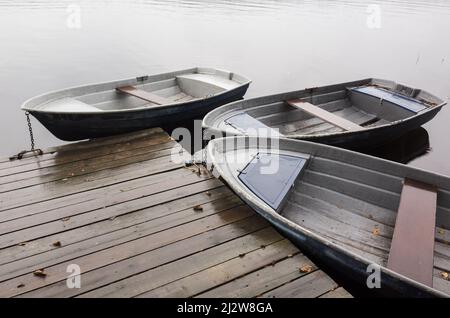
(138, 225)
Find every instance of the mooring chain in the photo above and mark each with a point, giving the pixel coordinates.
(33, 150)
(30, 129)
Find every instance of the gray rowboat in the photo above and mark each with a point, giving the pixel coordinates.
(356, 213)
(352, 115)
(132, 104)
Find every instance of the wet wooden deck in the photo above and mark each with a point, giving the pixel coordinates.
(138, 225)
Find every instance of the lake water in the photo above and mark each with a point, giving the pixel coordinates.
(280, 45)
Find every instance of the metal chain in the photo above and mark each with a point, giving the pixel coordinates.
(30, 129)
(32, 150)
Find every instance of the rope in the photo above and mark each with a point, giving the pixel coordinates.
(36, 152)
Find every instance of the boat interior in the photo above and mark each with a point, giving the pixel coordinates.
(141, 92)
(327, 110)
(395, 222)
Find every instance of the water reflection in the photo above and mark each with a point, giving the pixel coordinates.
(404, 149)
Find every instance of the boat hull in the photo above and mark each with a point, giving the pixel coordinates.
(342, 210)
(72, 126)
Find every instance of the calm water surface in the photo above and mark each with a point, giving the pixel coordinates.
(281, 45)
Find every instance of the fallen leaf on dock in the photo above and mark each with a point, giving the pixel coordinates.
(242, 255)
(65, 219)
(57, 244)
(112, 218)
(208, 193)
(22, 243)
(40, 273)
(444, 275)
(376, 231)
(441, 231)
(21, 285)
(198, 208)
(306, 269)
(263, 246)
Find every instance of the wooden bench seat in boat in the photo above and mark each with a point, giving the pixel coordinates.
(325, 115)
(147, 96)
(412, 246)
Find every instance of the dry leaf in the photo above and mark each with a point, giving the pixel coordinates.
(40, 273)
(441, 231)
(306, 269)
(112, 218)
(21, 285)
(444, 275)
(241, 255)
(208, 193)
(376, 231)
(198, 208)
(65, 219)
(57, 244)
(22, 243)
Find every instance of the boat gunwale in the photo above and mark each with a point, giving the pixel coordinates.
(275, 217)
(194, 70)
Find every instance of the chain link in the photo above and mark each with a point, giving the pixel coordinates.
(30, 129)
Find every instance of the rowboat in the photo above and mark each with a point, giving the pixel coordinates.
(351, 115)
(132, 104)
(381, 225)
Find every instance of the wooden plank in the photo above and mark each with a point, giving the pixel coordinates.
(131, 265)
(325, 115)
(85, 146)
(262, 280)
(141, 248)
(68, 186)
(63, 159)
(412, 247)
(147, 96)
(312, 285)
(68, 202)
(161, 275)
(224, 272)
(61, 225)
(85, 167)
(122, 202)
(98, 236)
